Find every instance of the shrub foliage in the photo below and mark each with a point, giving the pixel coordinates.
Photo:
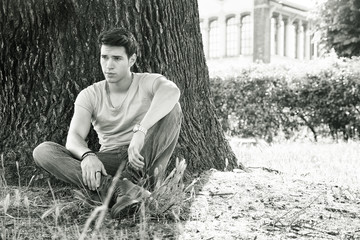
(265, 101)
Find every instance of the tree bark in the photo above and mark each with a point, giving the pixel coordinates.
(49, 53)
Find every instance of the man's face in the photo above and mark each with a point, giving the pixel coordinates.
(115, 63)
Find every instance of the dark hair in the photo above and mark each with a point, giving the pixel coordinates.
(119, 37)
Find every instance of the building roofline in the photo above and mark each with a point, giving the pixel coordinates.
(296, 6)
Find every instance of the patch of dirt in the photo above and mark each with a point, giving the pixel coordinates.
(267, 204)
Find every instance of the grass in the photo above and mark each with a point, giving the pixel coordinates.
(56, 213)
(328, 162)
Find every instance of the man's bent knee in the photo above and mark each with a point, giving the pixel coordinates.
(41, 153)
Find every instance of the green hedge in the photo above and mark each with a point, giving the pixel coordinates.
(265, 101)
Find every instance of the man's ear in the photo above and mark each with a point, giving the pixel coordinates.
(132, 59)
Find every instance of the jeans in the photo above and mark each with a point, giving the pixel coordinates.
(160, 142)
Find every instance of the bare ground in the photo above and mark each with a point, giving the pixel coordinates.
(267, 204)
(259, 204)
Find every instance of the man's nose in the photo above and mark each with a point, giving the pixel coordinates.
(110, 64)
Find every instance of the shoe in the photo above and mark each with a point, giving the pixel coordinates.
(121, 188)
(128, 199)
(124, 207)
(125, 201)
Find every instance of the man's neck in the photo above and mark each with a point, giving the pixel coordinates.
(121, 86)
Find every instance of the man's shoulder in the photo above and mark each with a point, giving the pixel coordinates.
(148, 76)
(146, 81)
(95, 87)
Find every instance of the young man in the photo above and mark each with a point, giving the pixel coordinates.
(137, 118)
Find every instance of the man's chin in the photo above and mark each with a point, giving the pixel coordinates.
(112, 80)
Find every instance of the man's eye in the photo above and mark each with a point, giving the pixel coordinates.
(104, 57)
(117, 58)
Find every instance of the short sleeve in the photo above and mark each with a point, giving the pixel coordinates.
(85, 100)
(148, 82)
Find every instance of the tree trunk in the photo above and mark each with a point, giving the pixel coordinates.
(49, 53)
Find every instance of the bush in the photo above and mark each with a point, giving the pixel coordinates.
(264, 101)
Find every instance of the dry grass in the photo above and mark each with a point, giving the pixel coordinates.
(290, 191)
(55, 213)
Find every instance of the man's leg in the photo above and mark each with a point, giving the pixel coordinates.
(58, 161)
(114, 159)
(160, 142)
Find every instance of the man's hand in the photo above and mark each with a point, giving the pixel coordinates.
(136, 144)
(92, 168)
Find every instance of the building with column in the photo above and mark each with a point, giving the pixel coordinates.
(265, 31)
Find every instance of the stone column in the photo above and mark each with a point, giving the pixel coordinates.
(261, 30)
(315, 42)
(280, 36)
(290, 38)
(307, 42)
(300, 41)
(273, 34)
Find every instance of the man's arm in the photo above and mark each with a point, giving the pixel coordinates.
(166, 95)
(76, 144)
(78, 131)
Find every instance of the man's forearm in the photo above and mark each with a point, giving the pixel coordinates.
(76, 145)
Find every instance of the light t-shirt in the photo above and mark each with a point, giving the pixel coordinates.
(114, 125)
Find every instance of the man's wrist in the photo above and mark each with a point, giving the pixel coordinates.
(86, 154)
(139, 128)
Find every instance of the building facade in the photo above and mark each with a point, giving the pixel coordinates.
(256, 31)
